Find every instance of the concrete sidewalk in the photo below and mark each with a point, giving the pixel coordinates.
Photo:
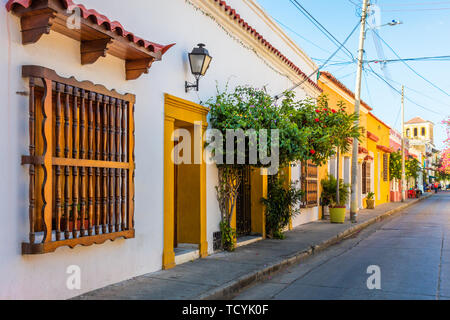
(221, 275)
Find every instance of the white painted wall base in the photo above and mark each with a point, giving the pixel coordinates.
(306, 215)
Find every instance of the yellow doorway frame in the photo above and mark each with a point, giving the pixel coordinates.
(180, 111)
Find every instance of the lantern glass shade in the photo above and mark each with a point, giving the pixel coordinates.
(199, 60)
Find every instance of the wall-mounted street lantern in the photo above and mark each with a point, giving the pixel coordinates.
(199, 60)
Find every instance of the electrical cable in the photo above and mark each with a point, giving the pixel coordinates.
(420, 93)
(278, 96)
(409, 67)
(399, 92)
(300, 36)
(321, 28)
(414, 4)
(367, 86)
(435, 58)
(412, 10)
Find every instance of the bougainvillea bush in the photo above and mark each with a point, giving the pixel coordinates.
(306, 130)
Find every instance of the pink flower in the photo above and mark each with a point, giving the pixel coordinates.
(317, 120)
(334, 111)
(312, 151)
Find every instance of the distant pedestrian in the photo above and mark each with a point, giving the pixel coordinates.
(436, 186)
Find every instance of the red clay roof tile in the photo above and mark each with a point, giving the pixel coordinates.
(343, 87)
(245, 25)
(93, 15)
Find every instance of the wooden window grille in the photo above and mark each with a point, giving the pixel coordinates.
(366, 181)
(310, 184)
(81, 162)
(385, 167)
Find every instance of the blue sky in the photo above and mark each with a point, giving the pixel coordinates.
(425, 32)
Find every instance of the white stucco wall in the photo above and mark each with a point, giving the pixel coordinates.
(164, 22)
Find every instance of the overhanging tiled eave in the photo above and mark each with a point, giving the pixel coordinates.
(97, 35)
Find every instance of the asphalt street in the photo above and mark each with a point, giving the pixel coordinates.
(404, 257)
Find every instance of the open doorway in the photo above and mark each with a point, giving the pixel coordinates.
(184, 182)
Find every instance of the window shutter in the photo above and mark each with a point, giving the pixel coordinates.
(368, 178)
(87, 158)
(364, 178)
(385, 167)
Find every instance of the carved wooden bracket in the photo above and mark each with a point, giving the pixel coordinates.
(92, 50)
(98, 35)
(34, 26)
(135, 68)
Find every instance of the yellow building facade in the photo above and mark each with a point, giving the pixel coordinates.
(373, 151)
(379, 151)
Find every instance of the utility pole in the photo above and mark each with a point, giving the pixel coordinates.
(403, 144)
(354, 196)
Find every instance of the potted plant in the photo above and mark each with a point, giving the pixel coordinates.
(337, 208)
(328, 189)
(370, 200)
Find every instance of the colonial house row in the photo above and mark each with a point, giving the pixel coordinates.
(90, 109)
(374, 149)
(419, 144)
(420, 134)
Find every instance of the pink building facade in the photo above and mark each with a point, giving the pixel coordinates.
(395, 142)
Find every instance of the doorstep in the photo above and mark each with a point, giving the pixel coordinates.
(186, 252)
(244, 241)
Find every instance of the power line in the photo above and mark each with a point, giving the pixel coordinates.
(300, 36)
(347, 75)
(408, 66)
(367, 86)
(419, 92)
(334, 61)
(414, 4)
(423, 9)
(431, 59)
(435, 58)
(321, 28)
(342, 45)
(399, 92)
(355, 4)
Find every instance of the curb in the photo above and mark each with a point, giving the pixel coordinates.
(227, 290)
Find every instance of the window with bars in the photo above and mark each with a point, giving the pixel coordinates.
(309, 184)
(81, 162)
(366, 182)
(385, 167)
